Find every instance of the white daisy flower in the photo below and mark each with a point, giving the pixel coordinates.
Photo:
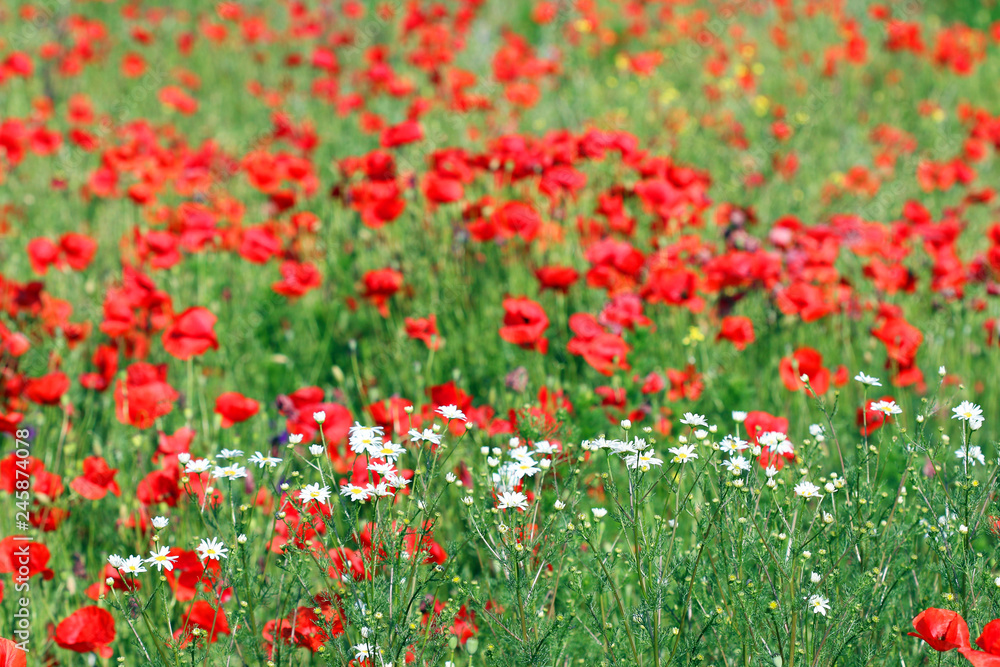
(683, 454)
(229, 472)
(381, 467)
(198, 466)
(160, 522)
(212, 549)
(427, 435)
(886, 407)
(868, 380)
(818, 432)
(387, 450)
(512, 499)
(364, 439)
(643, 461)
(691, 419)
(263, 461)
(806, 489)
(161, 559)
(314, 493)
(731, 444)
(737, 464)
(819, 604)
(973, 453)
(450, 412)
(524, 468)
(546, 447)
(396, 481)
(132, 565)
(357, 492)
(967, 411)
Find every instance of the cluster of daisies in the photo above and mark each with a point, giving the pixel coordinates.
(226, 467)
(382, 454)
(966, 411)
(638, 455)
(369, 441)
(160, 558)
(523, 461)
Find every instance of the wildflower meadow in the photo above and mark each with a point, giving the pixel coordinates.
(473, 333)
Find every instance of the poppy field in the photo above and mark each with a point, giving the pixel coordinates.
(550, 333)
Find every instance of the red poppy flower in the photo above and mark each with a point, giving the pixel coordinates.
(989, 641)
(206, 617)
(144, 396)
(42, 253)
(187, 574)
(13, 468)
(259, 244)
(347, 561)
(299, 408)
(653, 383)
(675, 286)
(424, 329)
(234, 408)
(464, 626)
(303, 627)
(943, 629)
(86, 630)
(11, 555)
(391, 414)
(174, 97)
(441, 190)
(684, 384)
(106, 360)
(97, 480)
(901, 340)
(805, 361)
(517, 218)
(297, 279)
(161, 486)
(11, 655)
(738, 330)
(450, 394)
(524, 323)
(558, 278)
(405, 133)
(48, 389)
(758, 422)
(380, 285)
(47, 484)
(78, 249)
(805, 300)
(603, 351)
(191, 334)
(13, 344)
(615, 265)
(172, 445)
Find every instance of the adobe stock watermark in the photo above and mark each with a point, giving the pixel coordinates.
(22, 554)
